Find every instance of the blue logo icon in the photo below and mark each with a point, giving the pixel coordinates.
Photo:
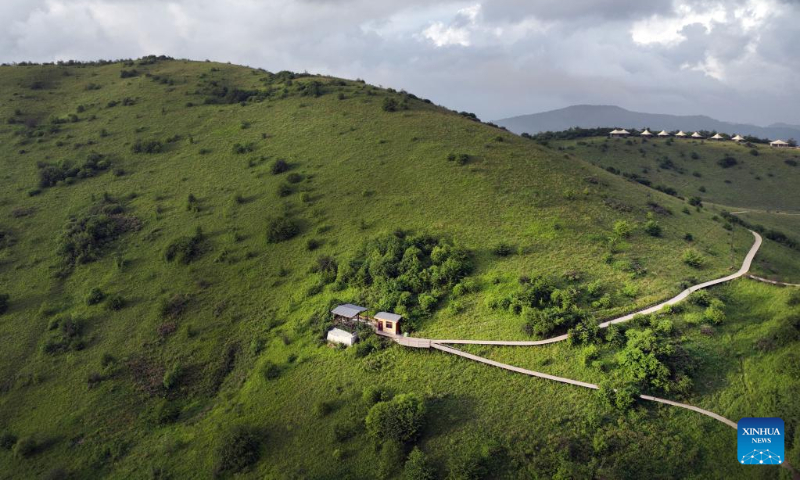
(760, 441)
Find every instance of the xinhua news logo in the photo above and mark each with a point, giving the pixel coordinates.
(760, 441)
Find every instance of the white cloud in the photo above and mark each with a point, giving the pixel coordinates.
(456, 33)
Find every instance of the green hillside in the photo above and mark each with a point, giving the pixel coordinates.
(174, 233)
(755, 182)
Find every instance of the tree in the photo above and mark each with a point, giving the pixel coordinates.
(417, 466)
(399, 419)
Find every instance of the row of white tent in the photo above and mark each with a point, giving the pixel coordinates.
(696, 135)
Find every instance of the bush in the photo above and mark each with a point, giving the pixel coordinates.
(373, 394)
(172, 375)
(279, 167)
(174, 306)
(184, 249)
(693, 258)
(4, 303)
(280, 229)
(271, 371)
(400, 419)
(7, 440)
(151, 146)
(503, 250)
(115, 302)
(727, 162)
(284, 190)
(294, 178)
(701, 297)
(417, 466)
(623, 228)
(237, 449)
(25, 447)
(389, 104)
(652, 228)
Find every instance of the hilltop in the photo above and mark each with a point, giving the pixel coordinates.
(174, 233)
(594, 116)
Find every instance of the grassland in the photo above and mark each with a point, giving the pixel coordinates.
(759, 185)
(147, 381)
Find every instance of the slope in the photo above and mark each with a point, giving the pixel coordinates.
(174, 233)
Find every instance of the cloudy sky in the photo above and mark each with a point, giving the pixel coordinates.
(735, 60)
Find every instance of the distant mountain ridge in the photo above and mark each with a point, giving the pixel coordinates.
(592, 116)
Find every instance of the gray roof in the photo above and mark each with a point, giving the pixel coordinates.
(348, 310)
(392, 317)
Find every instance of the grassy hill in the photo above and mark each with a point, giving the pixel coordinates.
(753, 181)
(173, 234)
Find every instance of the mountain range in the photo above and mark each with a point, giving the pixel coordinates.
(592, 116)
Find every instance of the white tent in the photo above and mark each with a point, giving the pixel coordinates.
(663, 133)
(619, 133)
(737, 138)
(717, 136)
(680, 134)
(696, 135)
(778, 143)
(647, 133)
(337, 335)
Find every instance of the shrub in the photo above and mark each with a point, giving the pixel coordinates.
(696, 201)
(793, 300)
(623, 228)
(312, 244)
(280, 229)
(151, 146)
(727, 162)
(373, 394)
(241, 148)
(417, 466)
(172, 376)
(462, 159)
(7, 440)
(284, 190)
(271, 370)
(389, 104)
(503, 249)
(184, 249)
(701, 297)
(294, 178)
(25, 447)
(279, 167)
(237, 449)
(115, 302)
(324, 408)
(652, 228)
(174, 306)
(693, 258)
(400, 419)
(4, 303)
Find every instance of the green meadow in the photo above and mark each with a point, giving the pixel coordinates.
(174, 233)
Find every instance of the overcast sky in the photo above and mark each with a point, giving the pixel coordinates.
(736, 60)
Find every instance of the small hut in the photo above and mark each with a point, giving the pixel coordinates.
(619, 133)
(737, 138)
(343, 337)
(717, 137)
(680, 134)
(697, 135)
(388, 322)
(646, 133)
(663, 134)
(778, 144)
(348, 313)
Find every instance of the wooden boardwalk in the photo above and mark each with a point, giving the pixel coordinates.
(774, 282)
(441, 345)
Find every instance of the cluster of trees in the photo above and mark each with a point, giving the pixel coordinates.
(184, 249)
(569, 134)
(85, 237)
(770, 233)
(405, 273)
(51, 174)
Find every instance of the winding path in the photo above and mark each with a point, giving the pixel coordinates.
(441, 345)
